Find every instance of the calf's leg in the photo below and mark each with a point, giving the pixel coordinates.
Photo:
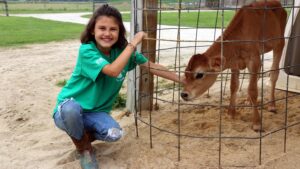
(254, 67)
(234, 85)
(274, 76)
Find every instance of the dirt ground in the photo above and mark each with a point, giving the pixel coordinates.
(30, 140)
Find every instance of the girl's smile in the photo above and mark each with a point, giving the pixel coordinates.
(106, 33)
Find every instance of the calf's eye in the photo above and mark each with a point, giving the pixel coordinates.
(199, 75)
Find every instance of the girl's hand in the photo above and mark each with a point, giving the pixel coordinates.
(138, 38)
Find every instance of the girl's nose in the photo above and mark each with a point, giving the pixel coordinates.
(107, 33)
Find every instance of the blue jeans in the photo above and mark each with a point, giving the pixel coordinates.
(71, 118)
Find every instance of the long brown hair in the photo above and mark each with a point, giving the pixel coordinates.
(105, 10)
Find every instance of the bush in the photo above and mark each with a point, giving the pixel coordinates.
(120, 101)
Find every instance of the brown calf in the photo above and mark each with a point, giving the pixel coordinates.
(259, 28)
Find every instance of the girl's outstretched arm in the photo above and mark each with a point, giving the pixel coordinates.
(162, 71)
(115, 68)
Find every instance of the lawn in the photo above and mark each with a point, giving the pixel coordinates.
(18, 7)
(20, 31)
(207, 19)
(47, 7)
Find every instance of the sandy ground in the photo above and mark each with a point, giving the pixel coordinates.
(30, 140)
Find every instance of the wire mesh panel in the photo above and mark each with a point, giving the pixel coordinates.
(5, 7)
(97, 3)
(201, 127)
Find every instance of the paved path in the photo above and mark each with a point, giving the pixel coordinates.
(63, 17)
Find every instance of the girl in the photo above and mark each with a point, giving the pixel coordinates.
(84, 103)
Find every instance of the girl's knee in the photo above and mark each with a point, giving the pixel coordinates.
(114, 134)
(71, 110)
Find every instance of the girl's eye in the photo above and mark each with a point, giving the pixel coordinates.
(101, 28)
(113, 29)
(199, 75)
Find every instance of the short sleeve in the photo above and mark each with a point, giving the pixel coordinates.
(92, 62)
(136, 58)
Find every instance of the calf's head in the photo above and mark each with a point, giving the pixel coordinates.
(200, 75)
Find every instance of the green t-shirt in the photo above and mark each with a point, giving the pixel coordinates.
(95, 91)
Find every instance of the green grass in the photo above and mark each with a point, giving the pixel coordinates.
(20, 31)
(120, 101)
(61, 7)
(206, 19)
(44, 7)
(189, 19)
(61, 83)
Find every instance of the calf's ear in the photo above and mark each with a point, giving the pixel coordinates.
(216, 64)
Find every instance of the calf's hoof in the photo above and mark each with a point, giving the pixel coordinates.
(231, 112)
(257, 128)
(272, 108)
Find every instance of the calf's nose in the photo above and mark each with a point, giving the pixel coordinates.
(184, 95)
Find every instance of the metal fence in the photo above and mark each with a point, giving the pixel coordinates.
(175, 51)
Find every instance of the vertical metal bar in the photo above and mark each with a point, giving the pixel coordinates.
(178, 111)
(134, 10)
(6, 7)
(93, 5)
(158, 56)
(197, 25)
(215, 30)
(287, 80)
(221, 87)
(286, 112)
(262, 82)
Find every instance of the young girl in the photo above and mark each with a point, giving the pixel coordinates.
(84, 103)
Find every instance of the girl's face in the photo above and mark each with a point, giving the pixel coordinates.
(106, 33)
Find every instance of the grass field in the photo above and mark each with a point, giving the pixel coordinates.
(60, 7)
(44, 7)
(20, 31)
(207, 19)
